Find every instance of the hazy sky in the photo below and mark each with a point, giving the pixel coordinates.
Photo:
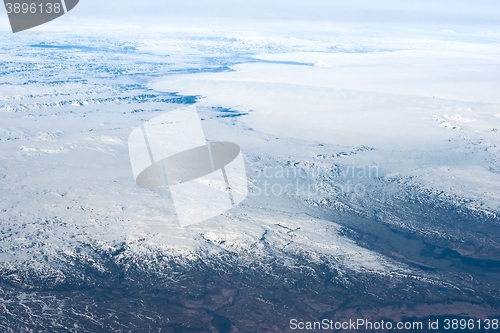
(451, 11)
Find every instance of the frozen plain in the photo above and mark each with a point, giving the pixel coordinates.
(84, 249)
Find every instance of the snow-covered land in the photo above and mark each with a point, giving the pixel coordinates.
(372, 156)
